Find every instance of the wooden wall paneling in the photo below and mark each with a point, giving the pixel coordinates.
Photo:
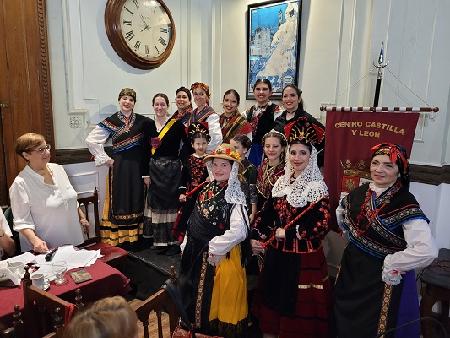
(25, 84)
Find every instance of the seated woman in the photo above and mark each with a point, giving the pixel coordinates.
(110, 317)
(7, 245)
(388, 238)
(215, 291)
(43, 201)
(293, 299)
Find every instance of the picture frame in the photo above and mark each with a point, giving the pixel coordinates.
(273, 44)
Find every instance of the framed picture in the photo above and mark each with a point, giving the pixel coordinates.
(273, 44)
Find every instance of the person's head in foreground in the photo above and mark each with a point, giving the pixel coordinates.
(110, 317)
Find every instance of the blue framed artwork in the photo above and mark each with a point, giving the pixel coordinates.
(273, 44)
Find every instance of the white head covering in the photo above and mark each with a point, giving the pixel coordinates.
(307, 187)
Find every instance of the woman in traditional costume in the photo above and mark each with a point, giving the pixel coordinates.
(124, 202)
(261, 117)
(293, 110)
(242, 144)
(212, 261)
(194, 177)
(232, 122)
(183, 101)
(272, 167)
(165, 174)
(293, 299)
(388, 237)
(206, 114)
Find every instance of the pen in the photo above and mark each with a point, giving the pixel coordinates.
(49, 255)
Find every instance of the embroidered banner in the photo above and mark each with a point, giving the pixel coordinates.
(349, 137)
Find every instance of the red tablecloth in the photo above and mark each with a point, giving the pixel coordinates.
(106, 281)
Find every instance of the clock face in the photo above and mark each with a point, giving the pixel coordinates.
(146, 27)
(142, 32)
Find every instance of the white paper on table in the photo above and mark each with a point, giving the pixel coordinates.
(73, 258)
(26, 257)
(6, 274)
(76, 258)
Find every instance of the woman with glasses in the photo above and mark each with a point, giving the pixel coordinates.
(43, 201)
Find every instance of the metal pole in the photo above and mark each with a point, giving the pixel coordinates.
(380, 65)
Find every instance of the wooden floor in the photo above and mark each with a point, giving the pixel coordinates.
(153, 328)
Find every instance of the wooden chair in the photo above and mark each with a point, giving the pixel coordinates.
(158, 303)
(435, 288)
(17, 330)
(111, 254)
(44, 313)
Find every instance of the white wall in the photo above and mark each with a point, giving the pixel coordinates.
(340, 40)
(87, 74)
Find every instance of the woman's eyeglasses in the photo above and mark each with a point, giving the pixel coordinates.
(43, 149)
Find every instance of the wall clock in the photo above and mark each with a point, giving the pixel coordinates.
(142, 32)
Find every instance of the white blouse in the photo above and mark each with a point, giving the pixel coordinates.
(95, 141)
(214, 132)
(221, 245)
(5, 230)
(50, 210)
(420, 250)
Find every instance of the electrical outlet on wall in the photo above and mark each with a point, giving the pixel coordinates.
(75, 121)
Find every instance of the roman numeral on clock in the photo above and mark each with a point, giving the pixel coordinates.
(129, 35)
(162, 41)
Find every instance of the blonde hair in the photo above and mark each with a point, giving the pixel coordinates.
(28, 142)
(110, 317)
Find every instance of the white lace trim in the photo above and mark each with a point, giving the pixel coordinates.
(233, 192)
(307, 187)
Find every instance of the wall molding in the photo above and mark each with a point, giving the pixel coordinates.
(429, 174)
(426, 174)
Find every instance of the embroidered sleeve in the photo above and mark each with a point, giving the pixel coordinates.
(264, 224)
(312, 227)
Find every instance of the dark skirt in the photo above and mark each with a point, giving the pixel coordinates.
(294, 299)
(165, 175)
(365, 306)
(124, 203)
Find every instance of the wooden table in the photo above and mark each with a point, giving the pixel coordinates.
(106, 281)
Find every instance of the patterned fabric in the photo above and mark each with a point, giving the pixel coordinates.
(307, 187)
(250, 175)
(267, 176)
(261, 120)
(294, 274)
(124, 135)
(183, 115)
(234, 125)
(124, 202)
(210, 209)
(374, 223)
(197, 172)
(213, 305)
(200, 116)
